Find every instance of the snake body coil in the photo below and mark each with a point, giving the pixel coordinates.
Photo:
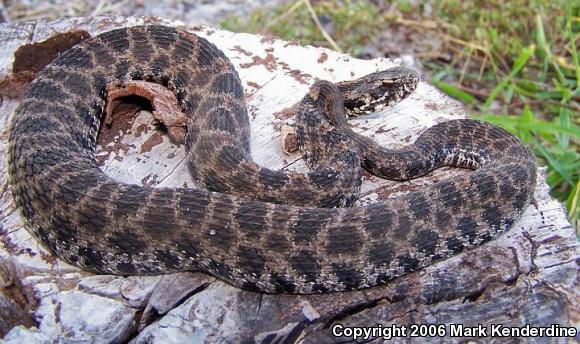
(258, 229)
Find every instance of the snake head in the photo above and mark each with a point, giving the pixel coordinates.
(375, 91)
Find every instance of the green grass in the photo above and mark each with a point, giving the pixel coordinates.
(514, 63)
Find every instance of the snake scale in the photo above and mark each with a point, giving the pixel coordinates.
(255, 228)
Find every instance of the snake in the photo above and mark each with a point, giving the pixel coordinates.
(255, 228)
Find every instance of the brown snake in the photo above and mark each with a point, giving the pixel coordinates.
(258, 229)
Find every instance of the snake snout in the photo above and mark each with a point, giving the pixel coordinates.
(377, 90)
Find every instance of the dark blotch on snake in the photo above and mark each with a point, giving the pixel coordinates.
(381, 253)
(251, 220)
(251, 260)
(304, 263)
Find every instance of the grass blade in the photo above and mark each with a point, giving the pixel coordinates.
(518, 64)
(536, 125)
(454, 92)
(553, 162)
(572, 202)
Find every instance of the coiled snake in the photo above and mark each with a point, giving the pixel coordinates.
(255, 228)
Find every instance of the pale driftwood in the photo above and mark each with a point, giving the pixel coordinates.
(527, 276)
